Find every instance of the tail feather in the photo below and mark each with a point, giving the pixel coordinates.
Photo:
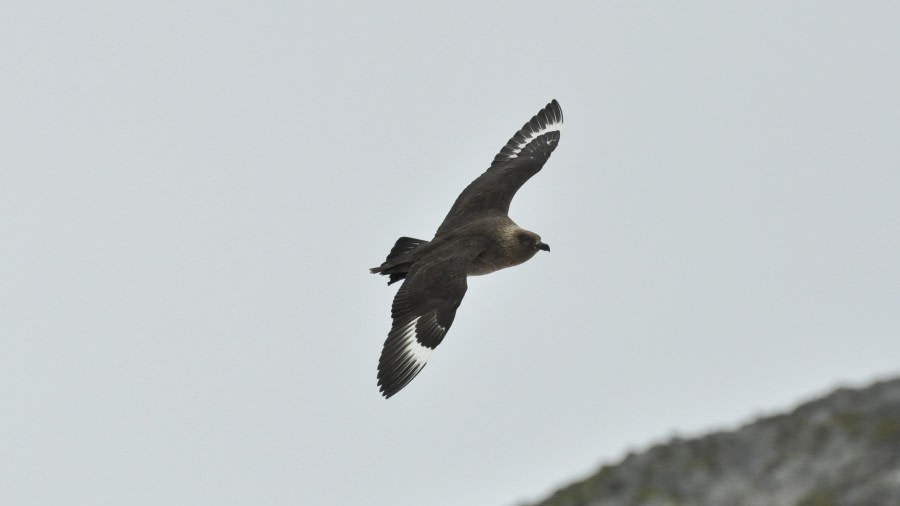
(404, 245)
(394, 265)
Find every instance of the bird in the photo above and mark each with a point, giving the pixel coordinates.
(477, 237)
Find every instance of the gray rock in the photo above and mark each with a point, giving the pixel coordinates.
(840, 450)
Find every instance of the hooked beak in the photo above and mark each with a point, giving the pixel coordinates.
(544, 246)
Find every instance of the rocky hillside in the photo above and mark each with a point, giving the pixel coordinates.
(842, 449)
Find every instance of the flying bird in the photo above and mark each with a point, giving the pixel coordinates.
(477, 237)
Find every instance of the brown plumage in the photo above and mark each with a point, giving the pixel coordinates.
(476, 237)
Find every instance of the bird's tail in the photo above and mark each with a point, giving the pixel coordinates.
(399, 260)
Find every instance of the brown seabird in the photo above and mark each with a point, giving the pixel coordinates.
(476, 237)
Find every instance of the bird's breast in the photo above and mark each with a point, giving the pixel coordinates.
(490, 261)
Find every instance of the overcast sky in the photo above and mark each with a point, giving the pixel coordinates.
(191, 194)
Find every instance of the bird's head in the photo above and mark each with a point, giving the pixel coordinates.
(528, 243)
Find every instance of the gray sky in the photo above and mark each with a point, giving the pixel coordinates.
(191, 194)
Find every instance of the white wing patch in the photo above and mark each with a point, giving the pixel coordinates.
(547, 120)
(412, 348)
(407, 350)
(553, 127)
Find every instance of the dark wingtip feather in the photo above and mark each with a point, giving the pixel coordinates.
(395, 373)
(549, 119)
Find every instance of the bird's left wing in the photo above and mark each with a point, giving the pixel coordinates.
(522, 157)
(422, 312)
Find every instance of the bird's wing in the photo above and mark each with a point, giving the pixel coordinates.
(423, 311)
(521, 157)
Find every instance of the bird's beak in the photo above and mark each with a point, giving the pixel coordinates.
(543, 246)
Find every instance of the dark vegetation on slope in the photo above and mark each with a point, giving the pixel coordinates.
(841, 449)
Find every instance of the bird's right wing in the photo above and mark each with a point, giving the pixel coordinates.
(522, 157)
(422, 312)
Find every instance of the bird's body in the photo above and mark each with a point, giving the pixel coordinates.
(477, 237)
(499, 236)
